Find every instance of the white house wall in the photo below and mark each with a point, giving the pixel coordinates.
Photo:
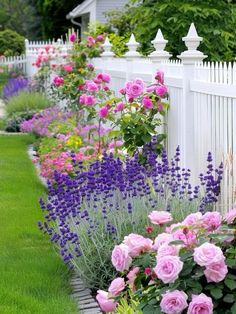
(107, 5)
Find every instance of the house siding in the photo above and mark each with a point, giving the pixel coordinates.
(107, 5)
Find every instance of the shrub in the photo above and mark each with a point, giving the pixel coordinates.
(88, 214)
(188, 268)
(11, 43)
(27, 102)
(12, 123)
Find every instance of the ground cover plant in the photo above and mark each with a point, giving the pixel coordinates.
(87, 214)
(33, 279)
(188, 268)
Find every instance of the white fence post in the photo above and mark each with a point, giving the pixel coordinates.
(107, 55)
(159, 55)
(131, 55)
(189, 58)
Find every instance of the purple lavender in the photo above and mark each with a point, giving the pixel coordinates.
(14, 86)
(88, 214)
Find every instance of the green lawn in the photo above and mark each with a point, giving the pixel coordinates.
(33, 279)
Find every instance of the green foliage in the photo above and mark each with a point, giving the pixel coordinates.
(27, 102)
(215, 21)
(11, 43)
(12, 123)
(119, 43)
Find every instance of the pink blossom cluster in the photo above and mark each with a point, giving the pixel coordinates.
(91, 41)
(168, 247)
(44, 55)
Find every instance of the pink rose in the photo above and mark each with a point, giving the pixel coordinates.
(103, 112)
(119, 107)
(137, 244)
(192, 219)
(120, 257)
(140, 82)
(147, 102)
(90, 100)
(132, 276)
(91, 86)
(211, 220)
(168, 268)
(68, 68)
(57, 80)
(200, 304)
(134, 90)
(186, 235)
(73, 37)
(230, 216)
(122, 91)
(161, 90)
(103, 77)
(216, 272)
(90, 66)
(82, 99)
(159, 217)
(174, 302)
(90, 41)
(161, 239)
(99, 38)
(207, 254)
(159, 76)
(117, 286)
(106, 304)
(167, 249)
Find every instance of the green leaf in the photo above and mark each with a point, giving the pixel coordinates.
(233, 308)
(230, 283)
(229, 298)
(216, 293)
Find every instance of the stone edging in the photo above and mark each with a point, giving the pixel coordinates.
(82, 295)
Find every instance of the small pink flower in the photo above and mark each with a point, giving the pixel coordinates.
(149, 229)
(216, 272)
(230, 216)
(161, 90)
(159, 76)
(90, 100)
(160, 217)
(200, 304)
(73, 37)
(186, 235)
(161, 239)
(103, 77)
(90, 66)
(103, 112)
(120, 257)
(168, 268)
(148, 271)
(211, 221)
(137, 244)
(58, 80)
(91, 86)
(106, 304)
(99, 38)
(68, 68)
(174, 302)
(83, 99)
(117, 286)
(122, 91)
(120, 107)
(207, 254)
(147, 102)
(90, 41)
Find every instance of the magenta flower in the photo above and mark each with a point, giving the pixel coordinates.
(159, 76)
(99, 38)
(147, 102)
(103, 112)
(103, 77)
(73, 37)
(83, 99)
(161, 90)
(119, 107)
(68, 68)
(90, 100)
(91, 86)
(57, 80)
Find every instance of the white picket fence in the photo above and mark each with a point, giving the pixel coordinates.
(14, 61)
(202, 95)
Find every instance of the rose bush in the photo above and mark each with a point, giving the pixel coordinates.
(175, 276)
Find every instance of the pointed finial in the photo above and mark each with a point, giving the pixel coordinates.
(107, 49)
(132, 45)
(159, 44)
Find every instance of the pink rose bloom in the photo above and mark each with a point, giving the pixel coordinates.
(120, 257)
(119, 107)
(186, 235)
(159, 76)
(147, 102)
(91, 86)
(73, 37)
(90, 66)
(200, 304)
(117, 286)
(90, 100)
(132, 276)
(68, 68)
(140, 82)
(83, 99)
(122, 91)
(174, 302)
(106, 304)
(161, 90)
(167, 249)
(103, 77)
(159, 217)
(192, 219)
(115, 143)
(103, 112)
(230, 216)
(161, 239)
(90, 41)
(216, 272)
(106, 88)
(134, 90)
(211, 221)
(99, 38)
(207, 254)
(137, 244)
(58, 80)
(168, 268)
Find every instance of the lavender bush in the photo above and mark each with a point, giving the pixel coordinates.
(90, 213)
(14, 86)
